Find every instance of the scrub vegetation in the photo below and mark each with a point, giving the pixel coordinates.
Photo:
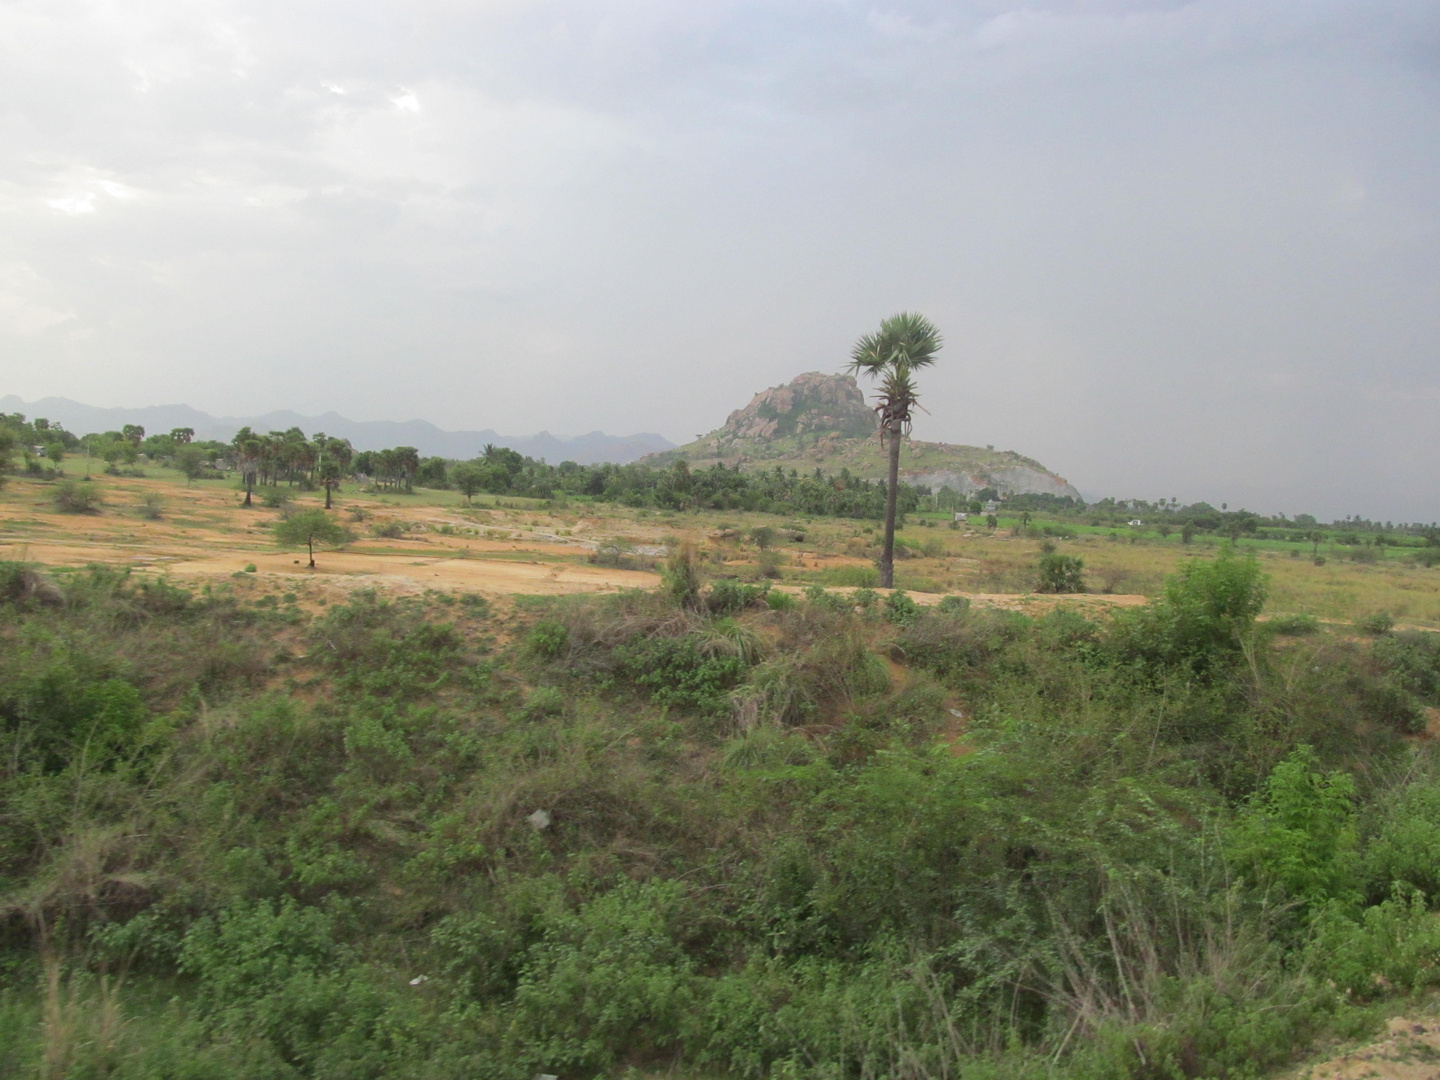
(704, 829)
(1089, 795)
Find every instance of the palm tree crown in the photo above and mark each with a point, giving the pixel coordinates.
(904, 343)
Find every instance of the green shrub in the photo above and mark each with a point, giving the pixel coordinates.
(955, 649)
(676, 673)
(1294, 625)
(1402, 843)
(76, 497)
(1061, 574)
(383, 648)
(865, 577)
(544, 701)
(729, 597)
(836, 602)
(1392, 947)
(549, 639)
(604, 980)
(1298, 833)
(806, 684)
(682, 576)
(953, 605)
(1203, 618)
(277, 975)
(865, 599)
(1414, 659)
(1382, 622)
(768, 564)
(776, 600)
(900, 609)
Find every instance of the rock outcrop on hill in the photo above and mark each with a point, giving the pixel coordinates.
(823, 421)
(811, 404)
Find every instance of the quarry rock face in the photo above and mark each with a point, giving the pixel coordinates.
(1006, 479)
(824, 421)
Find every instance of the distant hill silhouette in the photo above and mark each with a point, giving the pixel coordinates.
(430, 440)
(822, 421)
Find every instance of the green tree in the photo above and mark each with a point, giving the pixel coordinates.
(333, 457)
(182, 435)
(190, 461)
(904, 344)
(308, 528)
(249, 455)
(329, 478)
(469, 478)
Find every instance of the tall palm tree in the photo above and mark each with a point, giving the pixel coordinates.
(905, 343)
(249, 455)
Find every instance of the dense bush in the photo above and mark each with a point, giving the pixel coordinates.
(76, 497)
(691, 831)
(1061, 574)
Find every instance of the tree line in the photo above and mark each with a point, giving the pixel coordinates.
(322, 461)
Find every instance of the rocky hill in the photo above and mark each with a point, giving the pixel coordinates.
(823, 421)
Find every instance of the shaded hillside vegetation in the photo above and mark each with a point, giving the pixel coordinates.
(708, 829)
(822, 421)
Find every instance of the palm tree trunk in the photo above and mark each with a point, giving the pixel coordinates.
(892, 489)
(327, 496)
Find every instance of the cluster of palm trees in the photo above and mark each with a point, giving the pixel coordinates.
(393, 468)
(289, 456)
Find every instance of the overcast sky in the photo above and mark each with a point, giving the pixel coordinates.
(1186, 249)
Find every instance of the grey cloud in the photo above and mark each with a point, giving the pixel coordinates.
(1187, 246)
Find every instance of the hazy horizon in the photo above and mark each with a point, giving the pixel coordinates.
(1182, 249)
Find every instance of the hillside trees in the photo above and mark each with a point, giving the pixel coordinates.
(905, 343)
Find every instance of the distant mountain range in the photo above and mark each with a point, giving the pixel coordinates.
(822, 421)
(430, 440)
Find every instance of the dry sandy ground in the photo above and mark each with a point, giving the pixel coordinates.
(483, 568)
(203, 534)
